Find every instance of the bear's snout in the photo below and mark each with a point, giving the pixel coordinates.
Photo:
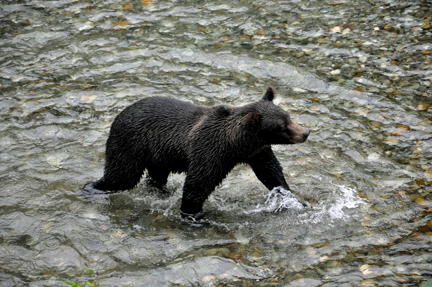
(305, 134)
(299, 133)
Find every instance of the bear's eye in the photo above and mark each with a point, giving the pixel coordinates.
(283, 126)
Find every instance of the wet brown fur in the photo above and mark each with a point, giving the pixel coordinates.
(165, 135)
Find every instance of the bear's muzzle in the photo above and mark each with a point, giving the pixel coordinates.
(299, 133)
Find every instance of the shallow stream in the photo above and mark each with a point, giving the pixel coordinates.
(358, 74)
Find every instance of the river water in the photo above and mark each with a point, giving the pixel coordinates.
(358, 74)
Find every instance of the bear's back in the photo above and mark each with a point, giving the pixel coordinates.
(158, 127)
(167, 111)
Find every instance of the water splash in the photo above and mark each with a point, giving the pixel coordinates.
(345, 200)
(277, 200)
(280, 199)
(336, 207)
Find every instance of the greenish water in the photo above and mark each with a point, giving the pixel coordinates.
(357, 74)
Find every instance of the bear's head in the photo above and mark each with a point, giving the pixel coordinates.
(274, 124)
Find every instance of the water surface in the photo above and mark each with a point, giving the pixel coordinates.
(357, 74)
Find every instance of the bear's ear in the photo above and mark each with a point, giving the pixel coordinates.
(269, 95)
(253, 119)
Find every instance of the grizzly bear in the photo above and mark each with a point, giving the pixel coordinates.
(165, 135)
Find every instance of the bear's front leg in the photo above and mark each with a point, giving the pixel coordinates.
(269, 171)
(195, 192)
(201, 180)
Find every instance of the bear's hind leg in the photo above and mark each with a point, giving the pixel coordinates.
(121, 173)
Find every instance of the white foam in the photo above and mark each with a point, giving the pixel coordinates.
(328, 212)
(279, 199)
(334, 208)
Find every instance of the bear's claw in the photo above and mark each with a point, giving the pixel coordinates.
(89, 190)
(305, 204)
(192, 217)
